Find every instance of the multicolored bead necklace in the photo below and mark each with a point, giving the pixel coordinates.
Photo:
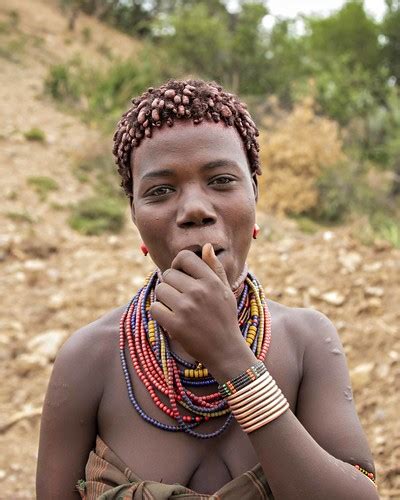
(164, 372)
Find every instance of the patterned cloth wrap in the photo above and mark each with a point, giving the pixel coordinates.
(108, 478)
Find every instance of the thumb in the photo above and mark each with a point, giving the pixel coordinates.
(209, 257)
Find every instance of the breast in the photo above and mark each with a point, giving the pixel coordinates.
(157, 455)
(167, 457)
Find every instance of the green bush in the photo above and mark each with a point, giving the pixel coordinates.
(102, 95)
(386, 227)
(86, 35)
(20, 217)
(335, 192)
(14, 18)
(62, 82)
(35, 134)
(97, 215)
(99, 170)
(42, 185)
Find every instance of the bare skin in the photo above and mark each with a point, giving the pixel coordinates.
(208, 196)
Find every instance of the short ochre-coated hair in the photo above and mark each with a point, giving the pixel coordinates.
(195, 100)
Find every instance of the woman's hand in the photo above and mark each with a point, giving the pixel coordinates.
(197, 308)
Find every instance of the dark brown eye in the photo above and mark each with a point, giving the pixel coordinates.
(222, 180)
(160, 191)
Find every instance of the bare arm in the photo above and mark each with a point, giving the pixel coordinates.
(309, 455)
(68, 425)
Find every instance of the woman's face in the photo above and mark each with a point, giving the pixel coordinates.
(191, 186)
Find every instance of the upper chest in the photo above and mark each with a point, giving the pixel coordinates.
(157, 455)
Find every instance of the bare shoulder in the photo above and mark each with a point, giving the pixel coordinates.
(96, 338)
(305, 331)
(302, 325)
(83, 358)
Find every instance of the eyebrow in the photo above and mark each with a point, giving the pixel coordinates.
(167, 172)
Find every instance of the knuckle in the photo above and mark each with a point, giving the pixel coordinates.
(184, 255)
(166, 273)
(196, 293)
(187, 306)
(160, 288)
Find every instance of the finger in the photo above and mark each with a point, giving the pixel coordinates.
(209, 257)
(189, 263)
(163, 316)
(168, 295)
(179, 280)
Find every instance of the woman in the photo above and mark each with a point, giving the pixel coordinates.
(133, 396)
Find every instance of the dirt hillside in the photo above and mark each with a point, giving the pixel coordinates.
(55, 280)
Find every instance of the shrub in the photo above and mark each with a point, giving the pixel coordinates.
(336, 193)
(35, 134)
(387, 228)
(102, 95)
(86, 35)
(42, 185)
(63, 84)
(296, 148)
(97, 215)
(20, 217)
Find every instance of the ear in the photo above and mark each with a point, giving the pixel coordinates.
(254, 182)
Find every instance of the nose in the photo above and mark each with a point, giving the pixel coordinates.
(195, 209)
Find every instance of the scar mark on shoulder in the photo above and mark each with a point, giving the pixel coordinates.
(336, 350)
(348, 393)
(328, 340)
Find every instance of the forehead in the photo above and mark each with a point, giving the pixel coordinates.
(186, 143)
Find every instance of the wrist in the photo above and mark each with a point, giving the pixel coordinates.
(234, 362)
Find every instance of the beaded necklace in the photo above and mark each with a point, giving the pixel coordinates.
(164, 372)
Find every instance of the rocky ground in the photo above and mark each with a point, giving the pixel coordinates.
(55, 280)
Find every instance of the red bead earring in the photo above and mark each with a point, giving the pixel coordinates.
(256, 231)
(144, 249)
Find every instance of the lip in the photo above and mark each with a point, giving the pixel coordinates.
(198, 248)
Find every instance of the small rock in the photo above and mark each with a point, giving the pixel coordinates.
(291, 291)
(34, 265)
(350, 260)
(56, 301)
(47, 345)
(371, 268)
(341, 325)
(20, 276)
(328, 235)
(361, 375)
(314, 292)
(3, 474)
(113, 240)
(374, 291)
(53, 274)
(394, 355)
(369, 305)
(383, 370)
(334, 298)
(28, 363)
